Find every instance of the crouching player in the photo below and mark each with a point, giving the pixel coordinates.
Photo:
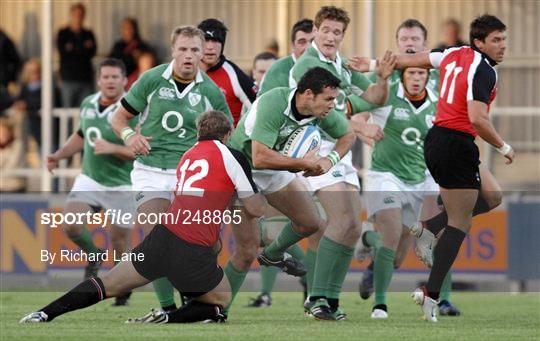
(182, 251)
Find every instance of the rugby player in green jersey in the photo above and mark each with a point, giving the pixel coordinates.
(104, 182)
(260, 135)
(273, 221)
(338, 190)
(168, 98)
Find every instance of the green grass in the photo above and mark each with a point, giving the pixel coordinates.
(493, 316)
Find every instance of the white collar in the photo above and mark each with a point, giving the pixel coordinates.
(336, 63)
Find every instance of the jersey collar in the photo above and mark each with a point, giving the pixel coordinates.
(431, 98)
(337, 63)
(95, 102)
(288, 111)
(168, 75)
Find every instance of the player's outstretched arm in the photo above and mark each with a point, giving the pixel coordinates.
(73, 145)
(266, 158)
(133, 139)
(365, 64)
(103, 147)
(478, 114)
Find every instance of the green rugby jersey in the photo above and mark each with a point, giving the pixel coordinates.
(352, 85)
(278, 75)
(168, 115)
(107, 170)
(270, 121)
(401, 151)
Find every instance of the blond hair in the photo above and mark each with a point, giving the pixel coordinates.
(188, 31)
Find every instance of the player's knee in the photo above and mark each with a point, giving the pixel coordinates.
(493, 199)
(244, 256)
(310, 227)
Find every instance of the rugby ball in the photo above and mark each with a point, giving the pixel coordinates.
(301, 141)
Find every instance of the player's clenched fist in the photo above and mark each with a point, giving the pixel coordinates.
(52, 162)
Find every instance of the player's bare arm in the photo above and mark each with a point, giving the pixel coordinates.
(104, 147)
(478, 114)
(365, 64)
(264, 157)
(342, 147)
(378, 93)
(133, 139)
(368, 133)
(73, 145)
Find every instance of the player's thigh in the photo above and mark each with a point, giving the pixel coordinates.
(120, 237)
(150, 208)
(459, 204)
(389, 223)
(341, 204)
(295, 202)
(489, 188)
(122, 278)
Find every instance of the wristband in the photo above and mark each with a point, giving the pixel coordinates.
(333, 157)
(126, 133)
(505, 149)
(372, 65)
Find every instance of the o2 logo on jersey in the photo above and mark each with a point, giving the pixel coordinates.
(166, 93)
(172, 121)
(411, 136)
(184, 186)
(91, 134)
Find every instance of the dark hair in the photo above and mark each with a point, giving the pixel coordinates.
(304, 25)
(264, 56)
(316, 79)
(483, 25)
(113, 62)
(135, 25)
(332, 13)
(214, 29)
(411, 23)
(213, 125)
(452, 22)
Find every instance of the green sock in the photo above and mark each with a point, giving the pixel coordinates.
(324, 266)
(296, 251)
(286, 238)
(268, 278)
(164, 291)
(84, 241)
(382, 273)
(311, 257)
(342, 261)
(446, 287)
(236, 278)
(372, 238)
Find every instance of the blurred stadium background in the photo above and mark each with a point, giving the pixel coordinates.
(502, 251)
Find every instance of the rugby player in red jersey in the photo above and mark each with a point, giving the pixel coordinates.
(209, 175)
(468, 87)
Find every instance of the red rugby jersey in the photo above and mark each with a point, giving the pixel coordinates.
(208, 175)
(466, 75)
(238, 88)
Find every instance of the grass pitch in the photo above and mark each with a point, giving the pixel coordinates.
(487, 316)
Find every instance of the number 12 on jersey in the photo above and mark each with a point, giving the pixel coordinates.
(184, 186)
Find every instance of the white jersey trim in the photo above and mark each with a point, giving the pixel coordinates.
(235, 172)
